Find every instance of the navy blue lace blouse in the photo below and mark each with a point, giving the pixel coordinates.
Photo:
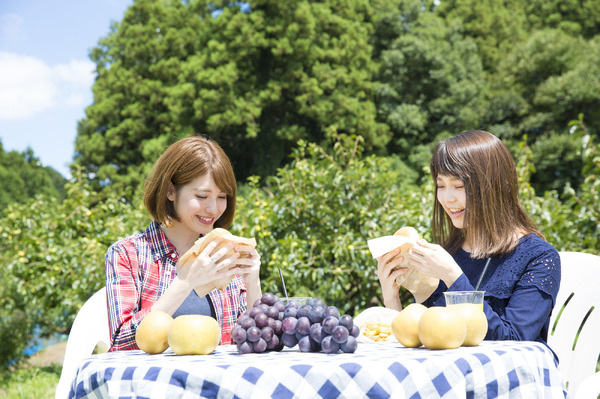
(520, 289)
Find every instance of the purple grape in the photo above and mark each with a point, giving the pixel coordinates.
(289, 325)
(271, 323)
(289, 340)
(316, 314)
(316, 332)
(290, 312)
(340, 334)
(329, 323)
(350, 345)
(247, 322)
(268, 298)
(259, 346)
(279, 306)
(306, 344)
(262, 320)
(266, 333)
(256, 303)
(303, 311)
(329, 345)
(263, 307)
(355, 331)
(281, 316)
(312, 302)
(293, 304)
(273, 344)
(277, 327)
(253, 334)
(244, 347)
(332, 311)
(243, 317)
(255, 311)
(303, 325)
(238, 334)
(346, 321)
(299, 336)
(272, 312)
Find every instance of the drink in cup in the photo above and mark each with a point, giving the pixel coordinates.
(456, 297)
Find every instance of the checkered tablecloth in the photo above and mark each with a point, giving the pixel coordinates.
(504, 369)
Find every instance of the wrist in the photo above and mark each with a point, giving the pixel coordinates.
(393, 303)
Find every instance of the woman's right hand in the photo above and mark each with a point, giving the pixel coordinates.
(208, 268)
(387, 278)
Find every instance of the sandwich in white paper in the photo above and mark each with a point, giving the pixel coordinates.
(419, 284)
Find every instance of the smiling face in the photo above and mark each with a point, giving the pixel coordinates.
(198, 204)
(451, 195)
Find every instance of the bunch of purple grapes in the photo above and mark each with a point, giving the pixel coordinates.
(260, 328)
(272, 325)
(316, 327)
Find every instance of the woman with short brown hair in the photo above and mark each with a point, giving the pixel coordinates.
(190, 190)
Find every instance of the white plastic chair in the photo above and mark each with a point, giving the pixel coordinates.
(90, 328)
(575, 324)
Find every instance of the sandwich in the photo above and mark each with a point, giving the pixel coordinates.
(227, 238)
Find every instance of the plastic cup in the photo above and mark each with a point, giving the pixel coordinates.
(456, 297)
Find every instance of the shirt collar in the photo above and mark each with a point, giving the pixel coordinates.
(160, 246)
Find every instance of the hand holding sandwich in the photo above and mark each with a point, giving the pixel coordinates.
(433, 260)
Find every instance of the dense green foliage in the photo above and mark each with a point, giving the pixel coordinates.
(52, 260)
(355, 91)
(22, 177)
(258, 76)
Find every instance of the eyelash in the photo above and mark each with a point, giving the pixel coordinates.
(203, 198)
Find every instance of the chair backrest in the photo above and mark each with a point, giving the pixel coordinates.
(90, 328)
(575, 320)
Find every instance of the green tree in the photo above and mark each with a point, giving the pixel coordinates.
(22, 177)
(52, 260)
(313, 220)
(255, 78)
(431, 78)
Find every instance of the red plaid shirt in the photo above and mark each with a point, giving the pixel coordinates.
(139, 269)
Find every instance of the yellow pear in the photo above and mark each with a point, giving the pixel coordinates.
(405, 325)
(442, 327)
(477, 324)
(151, 334)
(194, 334)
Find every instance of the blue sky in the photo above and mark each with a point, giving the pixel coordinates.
(46, 74)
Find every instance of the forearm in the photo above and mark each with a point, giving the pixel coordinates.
(253, 289)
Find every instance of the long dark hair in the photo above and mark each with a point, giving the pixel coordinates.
(493, 213)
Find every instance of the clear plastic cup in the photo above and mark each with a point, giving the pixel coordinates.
(456, 297)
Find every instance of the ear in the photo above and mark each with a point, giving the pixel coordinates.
(171, 192)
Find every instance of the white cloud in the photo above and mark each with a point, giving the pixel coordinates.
(29, 86)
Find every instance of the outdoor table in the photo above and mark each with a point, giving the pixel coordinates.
(375, 370)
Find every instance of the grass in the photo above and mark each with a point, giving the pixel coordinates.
(30, 383)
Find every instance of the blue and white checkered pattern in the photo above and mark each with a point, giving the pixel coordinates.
(380, 370)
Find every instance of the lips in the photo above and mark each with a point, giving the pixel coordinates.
(455, 212)
(206, 221)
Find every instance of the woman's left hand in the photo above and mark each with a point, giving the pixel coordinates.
(433, 260)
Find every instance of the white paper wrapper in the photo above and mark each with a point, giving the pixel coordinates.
(382, 245)
(377, 314)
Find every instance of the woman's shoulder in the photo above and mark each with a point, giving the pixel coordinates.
(534, 247)
(136, 240)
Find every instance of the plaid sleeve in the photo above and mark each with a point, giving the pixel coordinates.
(123, 297)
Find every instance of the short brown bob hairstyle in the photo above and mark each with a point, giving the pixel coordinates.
(494, 218)
(182, 162)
